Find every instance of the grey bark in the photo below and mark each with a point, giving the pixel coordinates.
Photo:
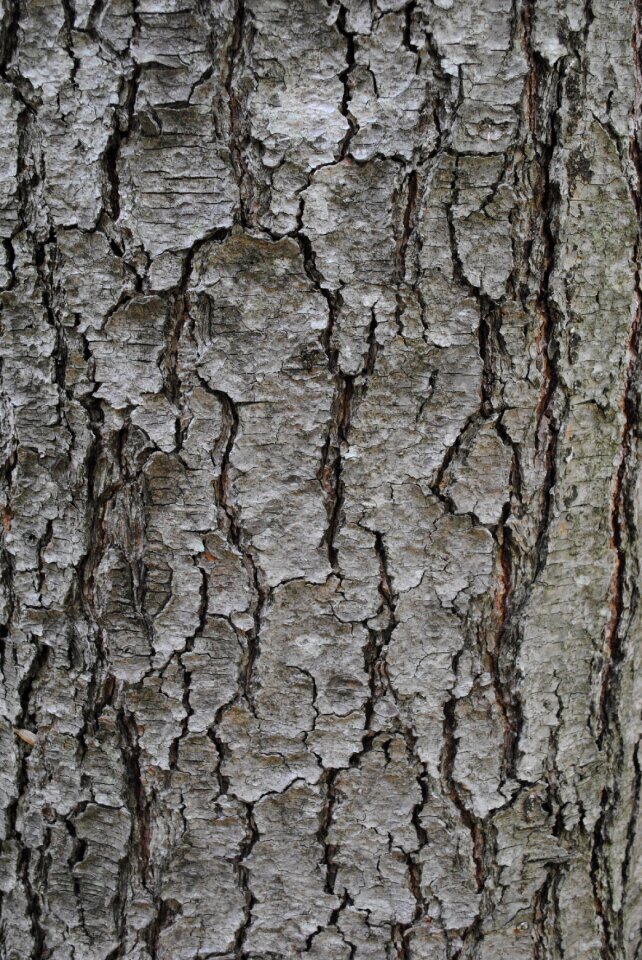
(320, 433)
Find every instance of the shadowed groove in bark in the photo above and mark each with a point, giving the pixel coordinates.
(24, 860)
(448, 754)
(233, 523)
(236, 123)
(353, 126)
(123, 127)
(187, 675)
(322, 835)
(330, 469)
(252, 836)
(379, 638)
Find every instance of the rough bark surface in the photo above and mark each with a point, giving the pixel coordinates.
(320, 433)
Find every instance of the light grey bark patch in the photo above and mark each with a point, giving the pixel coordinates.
(265, 355)
(345, 205)
(105, 831)
(162, 208)
(482, 214)
(373, 831)
(78, 254)
(126, 351)
(173, 177)
(588, 449)
(294, 106)
(201, 914)
(362, 198)
(448, 876)
(392, 94)
(9, 113)
(286, 857)
(491, 77)
(484, 454)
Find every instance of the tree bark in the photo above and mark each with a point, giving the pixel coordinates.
(320, 429)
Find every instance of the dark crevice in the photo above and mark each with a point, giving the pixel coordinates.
(324, 828)
(186, 674)
(123, 125)
(379, 638)
(330, 474)
(243, 879)
(233, 524)
(409, 224)
(344, 77)
(237, 122)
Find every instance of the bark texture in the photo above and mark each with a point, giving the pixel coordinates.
(320, 435)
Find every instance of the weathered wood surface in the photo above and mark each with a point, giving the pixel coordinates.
(320, 432)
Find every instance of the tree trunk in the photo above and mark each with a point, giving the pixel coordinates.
(320, 427)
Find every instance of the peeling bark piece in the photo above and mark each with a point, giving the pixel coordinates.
(301, 642)
(477, 480)
(173, 176)
(431, 397)
(344, 204)
(229, 593)
(301, 123)
(106, 832)
(492, 74)
(448, 880)
(373, 832)
(359, 197)
(390, 95)
(295, 105)
(74, 143)
(9, 113)
(420, 664)
(257, 762)
(329, 945)
(176, 185)
(480, 737)
(158, 710)
(482, 218)
(113, 22)
(265, 355)
(181, 514)
(127, 350)
(171, 48)
(203, 904)
(286, 874)
(127, 638)
(214, 665)
(42, 56)
(526, 851)
(82, 253)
